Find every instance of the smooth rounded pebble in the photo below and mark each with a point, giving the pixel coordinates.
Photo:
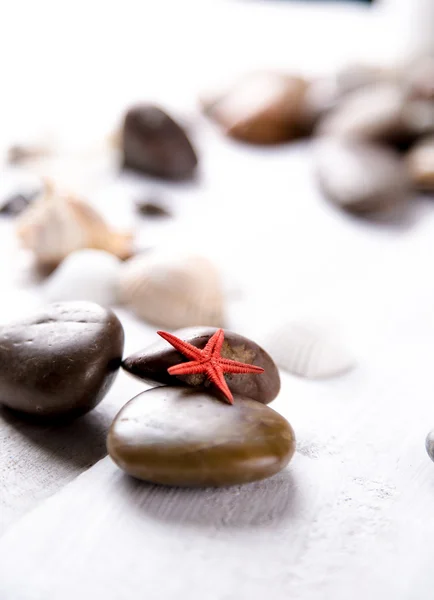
(151, 364)
(361, 177)
(155, 144)
(60, 361)
(185, 437)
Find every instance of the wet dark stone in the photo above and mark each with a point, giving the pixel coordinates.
(61, 361)
(188, 437)
(152, 208)
(155, 144)
(151, 364)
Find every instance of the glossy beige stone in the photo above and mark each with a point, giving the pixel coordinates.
(187, 437)
(421, 164)
(151, 364)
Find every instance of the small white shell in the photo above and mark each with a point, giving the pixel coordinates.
(306, 350)
(172, 290)
(90, 275)
(55, 225)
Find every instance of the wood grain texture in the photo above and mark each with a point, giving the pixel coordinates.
(37, 460)
(346, 519)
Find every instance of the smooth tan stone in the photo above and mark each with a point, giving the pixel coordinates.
(421, 164)
(186, 437)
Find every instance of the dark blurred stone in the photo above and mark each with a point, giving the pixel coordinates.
(361, 177)
(151, 364)
(420, 78)
(61, 361)
(155, 144)
(17, 203)
(150, 207)
(189, 438)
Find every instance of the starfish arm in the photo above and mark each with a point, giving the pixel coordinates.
(184, 347)
(216, 376)
(215, 343)
(187, 368)
(233, 366)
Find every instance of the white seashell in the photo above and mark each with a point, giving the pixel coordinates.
(172, 290)
(306, 350)
(56, 225)
(90, 275)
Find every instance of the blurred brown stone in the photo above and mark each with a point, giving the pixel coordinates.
(155, 144)
(262, 108)
(421, 164)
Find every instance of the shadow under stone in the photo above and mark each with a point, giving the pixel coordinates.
(253, 505)
(81, 442)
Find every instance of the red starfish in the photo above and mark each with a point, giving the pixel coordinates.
(208, 361)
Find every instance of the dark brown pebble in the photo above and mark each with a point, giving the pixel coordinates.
(155, 144)
(185, 437)
(361, 177)
(61, 361)
(152, 208)
(151, 364)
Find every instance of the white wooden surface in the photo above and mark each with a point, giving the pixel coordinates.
(351, 516)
